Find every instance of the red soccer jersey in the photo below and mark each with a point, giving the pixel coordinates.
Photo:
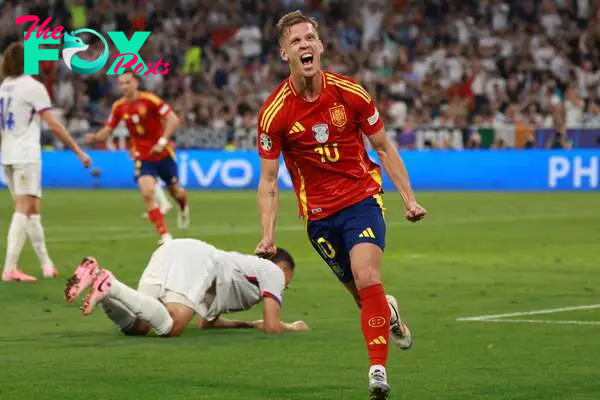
(322, 143)
(143, 118)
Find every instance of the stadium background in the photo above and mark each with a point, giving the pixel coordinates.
(446, 75)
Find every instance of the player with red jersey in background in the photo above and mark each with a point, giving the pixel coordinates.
(317, 120)
(144, 114)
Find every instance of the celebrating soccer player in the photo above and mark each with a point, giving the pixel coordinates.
(317, 119)
(154, 157)
(23, 101)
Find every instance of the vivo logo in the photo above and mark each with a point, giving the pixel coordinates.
(236, 173)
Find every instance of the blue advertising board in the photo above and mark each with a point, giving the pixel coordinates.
(499, 170)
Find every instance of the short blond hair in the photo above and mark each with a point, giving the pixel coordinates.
(293, 18)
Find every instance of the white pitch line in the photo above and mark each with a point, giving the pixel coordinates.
(534, 312)
(540, 321)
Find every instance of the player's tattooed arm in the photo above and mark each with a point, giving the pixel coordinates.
(396, 170)
(268, 203)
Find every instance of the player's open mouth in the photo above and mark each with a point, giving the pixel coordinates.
(306, 60)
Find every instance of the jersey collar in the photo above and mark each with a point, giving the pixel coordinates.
(293, 88)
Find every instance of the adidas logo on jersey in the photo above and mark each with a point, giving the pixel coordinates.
(367, 233)
(297, 128)
(378, 340)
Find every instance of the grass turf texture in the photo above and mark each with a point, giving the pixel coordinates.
(475, 254)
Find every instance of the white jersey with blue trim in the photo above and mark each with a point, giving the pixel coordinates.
(22, 99)
(249, 280)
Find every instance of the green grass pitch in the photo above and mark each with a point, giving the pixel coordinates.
(476, 254)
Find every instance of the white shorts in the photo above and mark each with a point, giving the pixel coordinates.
(24, 179)
(168, 296)
(177, 275)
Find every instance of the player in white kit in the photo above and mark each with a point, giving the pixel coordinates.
(186, 277)
(23, 102)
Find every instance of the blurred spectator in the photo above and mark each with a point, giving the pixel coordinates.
(560, 140)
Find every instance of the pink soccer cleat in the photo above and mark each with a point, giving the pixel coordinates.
(100, 289)
(50, 272)
(81, 279)
(18, 276)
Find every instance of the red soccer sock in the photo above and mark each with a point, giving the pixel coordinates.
(375, 321)
(182, 200)
(156, 217)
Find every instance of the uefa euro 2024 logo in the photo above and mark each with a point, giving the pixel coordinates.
(128, 50)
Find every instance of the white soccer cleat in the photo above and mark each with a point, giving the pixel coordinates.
(399, 332)
(379, 388)
(183, 218)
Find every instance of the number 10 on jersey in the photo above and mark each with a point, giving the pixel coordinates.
(328, 152)
(7, 118)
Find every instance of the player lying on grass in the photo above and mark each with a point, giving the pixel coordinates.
(186, 277)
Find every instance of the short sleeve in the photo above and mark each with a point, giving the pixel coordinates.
(370, 122)
(156, 104)
(269, 137)
(114, 117)
(272, 283)
(360, 102)
(39, 98)
(162, 108)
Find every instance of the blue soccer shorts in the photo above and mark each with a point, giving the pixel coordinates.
(333, 237)
(165, 169)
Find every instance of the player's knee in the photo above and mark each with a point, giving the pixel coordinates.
(367, 276)
(181, 315)
(139, 328)
(176, 330)
(23, 205)
(180, 322)
(148, 196)
(176, 190)
(35, 207)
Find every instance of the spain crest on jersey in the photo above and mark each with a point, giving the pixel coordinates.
(321, 132)
(142, 110)
(338, 115)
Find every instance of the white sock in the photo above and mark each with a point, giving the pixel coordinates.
(17, 234)
(143, 306)
(118, 313)
(161, 198)
(35, 230)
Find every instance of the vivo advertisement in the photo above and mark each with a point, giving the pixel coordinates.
(502, 170)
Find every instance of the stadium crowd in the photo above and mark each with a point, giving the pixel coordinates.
(482, 63)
